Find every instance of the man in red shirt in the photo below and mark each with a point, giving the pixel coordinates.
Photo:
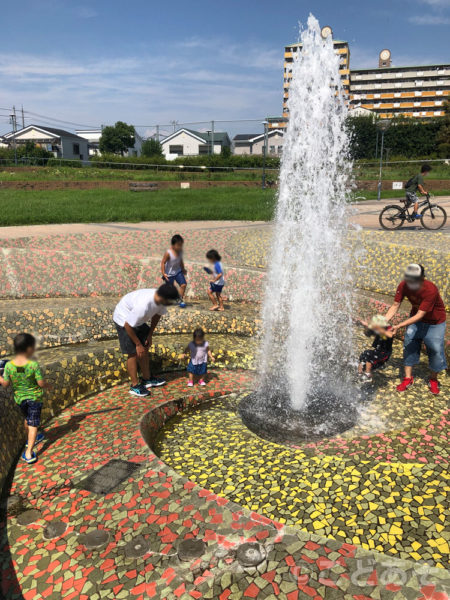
(426, 324)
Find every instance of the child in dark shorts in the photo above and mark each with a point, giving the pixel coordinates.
(381, 349)
(217, 282)
(24, 374)
(198, 352)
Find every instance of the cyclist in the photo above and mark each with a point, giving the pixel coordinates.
(414, 185)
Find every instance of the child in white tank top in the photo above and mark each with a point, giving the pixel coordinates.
(172, 267)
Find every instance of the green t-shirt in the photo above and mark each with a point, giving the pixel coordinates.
(24, 380)
(414, 183)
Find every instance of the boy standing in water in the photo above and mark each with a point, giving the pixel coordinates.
(24, 374)
(172, 266)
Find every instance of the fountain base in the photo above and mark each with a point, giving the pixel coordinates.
(324, 415)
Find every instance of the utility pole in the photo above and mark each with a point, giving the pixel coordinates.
(212, 137)
(13, 121)
(383, 125)
(157, 133)
(265, 123)
(23, 119)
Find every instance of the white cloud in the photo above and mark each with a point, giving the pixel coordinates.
(85, 12)
(437, 3)
(197, 80)
(429, 20)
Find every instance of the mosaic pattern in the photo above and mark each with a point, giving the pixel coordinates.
(161, 509)
(380, 256)
(81, 369)
(98, 264)
(381, 485)
(366, 508)
(64, 321)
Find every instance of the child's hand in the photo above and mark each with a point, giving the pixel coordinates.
(181, 356)
(213, 359)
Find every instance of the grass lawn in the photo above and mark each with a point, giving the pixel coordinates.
(362, 170)
(21, 207)
(96, 174)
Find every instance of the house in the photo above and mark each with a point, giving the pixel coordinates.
(187, 142)
(251, 143)
(63, 144)
(93, 138)
(360, 111)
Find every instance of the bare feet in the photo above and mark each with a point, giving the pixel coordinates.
(214, 308)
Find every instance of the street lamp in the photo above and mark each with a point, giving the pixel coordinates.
(382, 125)
(265, 123)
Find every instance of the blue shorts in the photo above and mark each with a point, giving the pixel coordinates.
(179, 278)
(433, 338)
(31, 410)
(197, 369)
(217, 289)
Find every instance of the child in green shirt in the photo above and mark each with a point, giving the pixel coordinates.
(25, 377)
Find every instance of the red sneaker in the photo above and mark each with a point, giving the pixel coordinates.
(434, 386)
(405, 384)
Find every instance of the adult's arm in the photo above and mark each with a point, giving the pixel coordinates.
(393, 309)
(417, 317)
(154, 322)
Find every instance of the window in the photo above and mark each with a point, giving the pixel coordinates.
(272, 149)
(280, 149)
(204, 148)
(176, 150)
(76, 148)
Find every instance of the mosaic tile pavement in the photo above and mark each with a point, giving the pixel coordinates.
(383, 485)
(151, 513)
(369, 504)
(99, 264)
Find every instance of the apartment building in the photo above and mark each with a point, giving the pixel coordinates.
(389, 91)
(342, 50)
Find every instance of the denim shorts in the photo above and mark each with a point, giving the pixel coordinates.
(179, 278)
(31, 410)
(433, 338)
(197, 369)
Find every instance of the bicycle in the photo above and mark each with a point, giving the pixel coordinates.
(432, 217)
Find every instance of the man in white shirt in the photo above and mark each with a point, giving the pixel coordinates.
(131, 317)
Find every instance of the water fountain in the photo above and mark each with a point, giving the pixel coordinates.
(303, 386)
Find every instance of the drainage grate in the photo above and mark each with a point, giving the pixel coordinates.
(108, 477)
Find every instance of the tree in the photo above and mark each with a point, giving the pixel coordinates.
(152, 147)
(225, 152)
(443, 135)
(117, 138)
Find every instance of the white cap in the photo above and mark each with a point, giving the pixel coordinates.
(414, 271)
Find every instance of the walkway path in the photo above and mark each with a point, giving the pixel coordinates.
(366, 216)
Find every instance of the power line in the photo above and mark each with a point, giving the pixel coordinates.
(29, 112)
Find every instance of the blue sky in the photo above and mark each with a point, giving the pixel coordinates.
(148, 62)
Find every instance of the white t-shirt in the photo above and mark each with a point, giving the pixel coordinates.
(137, 308)
(199, 354)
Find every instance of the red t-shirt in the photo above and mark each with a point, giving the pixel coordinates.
(427, 299)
